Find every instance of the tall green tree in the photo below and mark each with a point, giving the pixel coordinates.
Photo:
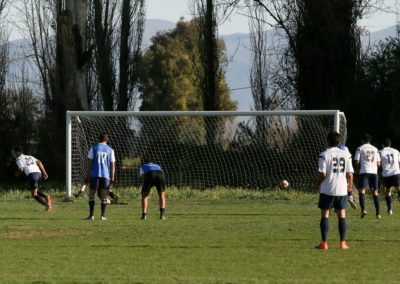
(377, 94)
(169, 72)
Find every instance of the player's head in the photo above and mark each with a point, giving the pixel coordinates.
(103, 137)
(334, 139)
(17, 150)
(366, 138)
(386, 142)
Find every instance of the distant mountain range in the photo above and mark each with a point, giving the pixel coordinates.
(238, 51)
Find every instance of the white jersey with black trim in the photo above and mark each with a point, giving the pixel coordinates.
(367, 155)
(390, 158)
(27, 164)
(335, 163)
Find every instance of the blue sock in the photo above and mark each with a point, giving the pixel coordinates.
(342, 229)
(324, 226)
(377, 206)
(361, 198)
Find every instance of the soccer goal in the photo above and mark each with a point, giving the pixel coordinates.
(253, 149)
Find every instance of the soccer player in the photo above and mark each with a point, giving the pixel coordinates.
(390, 158)
(101, 174)
(334, 182)
(152, 175)
(35, 172)
(367, 160)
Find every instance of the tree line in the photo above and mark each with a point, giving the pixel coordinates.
(88, 56)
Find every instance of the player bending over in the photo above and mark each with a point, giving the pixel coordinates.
(35, 172)
(334, 183)
(152, 175)
(101, 174)
(390, 158)
(367, 159)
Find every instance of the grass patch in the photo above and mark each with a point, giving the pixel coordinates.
(220, 236)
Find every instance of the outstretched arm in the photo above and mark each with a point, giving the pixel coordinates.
(41, 167)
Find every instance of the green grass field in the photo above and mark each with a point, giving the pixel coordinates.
(209, 237)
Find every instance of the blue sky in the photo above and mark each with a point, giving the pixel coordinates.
(172, 10)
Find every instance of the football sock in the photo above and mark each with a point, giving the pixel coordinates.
(324, 225)
(41, 200)
(162, 211)
(103, 207)
(112, 195)
(361, 197)
(388, 202)
(376, 203)
(91, 207)
(41, 194)
(342, 228)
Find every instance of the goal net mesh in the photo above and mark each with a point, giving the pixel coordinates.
(209, 151)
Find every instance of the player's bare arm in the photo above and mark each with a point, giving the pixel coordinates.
(112, 176)
(349, 177)
(42, 169)
(89, 167)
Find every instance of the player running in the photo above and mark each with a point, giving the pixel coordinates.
(367, 159)
(334, 183)
(152, 175)
(101, 174)
(35, 173)
(390, 158)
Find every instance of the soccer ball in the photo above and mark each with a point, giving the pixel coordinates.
(284, 184)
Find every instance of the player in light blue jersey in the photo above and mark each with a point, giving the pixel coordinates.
(101, 174)
(152, 175)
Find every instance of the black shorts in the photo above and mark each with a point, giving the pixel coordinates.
(99, 183)
(327, 202)
(367, 181)
(391, 181)
(154, 178)
(34, 180)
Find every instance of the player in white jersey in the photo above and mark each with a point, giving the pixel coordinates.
(334, 183)
(351, 200)
(35, 172)
(390, 158)
(367, 160)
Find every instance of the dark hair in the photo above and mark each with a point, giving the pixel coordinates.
(366, 138)
(103, 137)
(386, 142)
(18, 148)
(334, 139)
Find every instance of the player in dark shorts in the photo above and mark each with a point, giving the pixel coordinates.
(152, 175)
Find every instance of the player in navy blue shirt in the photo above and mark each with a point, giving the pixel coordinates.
(152, 175)
(101, 173)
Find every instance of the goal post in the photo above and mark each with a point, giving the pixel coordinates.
(205, 149)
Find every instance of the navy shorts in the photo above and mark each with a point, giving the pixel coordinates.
(34, 180)
(99, 183)
(367, 181)
(154, 178)
(391, 181)
(327, 202)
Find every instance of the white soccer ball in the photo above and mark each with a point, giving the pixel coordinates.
(284, 184)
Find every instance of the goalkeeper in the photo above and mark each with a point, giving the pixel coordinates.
(152, 175)
(85, 184)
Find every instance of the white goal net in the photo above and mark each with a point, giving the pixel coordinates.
(207, 149)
